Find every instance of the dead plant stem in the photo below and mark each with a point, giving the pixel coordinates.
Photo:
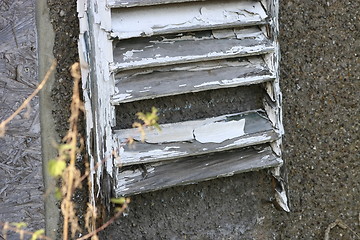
(17, 230)
(105, 225)
(72, 138)
(27, 101)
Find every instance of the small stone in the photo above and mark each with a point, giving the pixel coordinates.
(62, 13)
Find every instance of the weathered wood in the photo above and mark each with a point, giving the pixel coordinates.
(21, 181)
(139, 3)
(174, 18)
(197, 137)
(194, 77)
(204, 46)
(95, 53)
(194, 169)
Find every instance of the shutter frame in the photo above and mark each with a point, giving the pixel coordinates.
(103, 73)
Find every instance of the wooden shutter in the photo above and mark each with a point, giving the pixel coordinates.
(135, 51)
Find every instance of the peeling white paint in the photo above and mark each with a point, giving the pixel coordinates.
(129, 54)
(178, 139)
(136, 22)
(223, 33)
(265, 158)
(208, 84)
(248, 141)
(209, 49)
(121, 97)
(195, 137)
(248, 33)
(176, 132)
(219, 131)
(152, 155)
(170, 134)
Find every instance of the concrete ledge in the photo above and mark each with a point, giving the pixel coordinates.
(46, 38)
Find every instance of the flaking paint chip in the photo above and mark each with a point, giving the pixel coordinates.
(219, 132)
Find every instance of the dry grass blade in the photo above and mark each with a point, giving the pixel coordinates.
(67, 207)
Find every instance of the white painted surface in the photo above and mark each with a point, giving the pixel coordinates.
(174, 18)
(218, 132)
(136, 22)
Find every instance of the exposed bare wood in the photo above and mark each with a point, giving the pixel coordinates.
(139, 3)
(194, 77)
(163, 48)
(174, 18)
(196, 137)
(159, 51)
(98, 85)
(194, 169)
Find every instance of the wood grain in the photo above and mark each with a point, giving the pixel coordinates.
(151, 83)
(184, 17)
(197, 137)
(204, 46)
(192, 170)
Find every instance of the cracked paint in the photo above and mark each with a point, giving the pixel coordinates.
(136, 22)
(218, 132)
(196, 137)
(148, 67)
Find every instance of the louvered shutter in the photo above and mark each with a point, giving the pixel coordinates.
(152, 50)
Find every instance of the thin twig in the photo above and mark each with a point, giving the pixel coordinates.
(17, 230)
(105, 225)
(27, 101)
(72, 140)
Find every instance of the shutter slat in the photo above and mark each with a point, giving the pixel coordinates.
(174, 18)
(196, 137)
(140, 3)
(194, 169)
(194, 77)
(141, 53)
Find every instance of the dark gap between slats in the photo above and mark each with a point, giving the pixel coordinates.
(192, 106)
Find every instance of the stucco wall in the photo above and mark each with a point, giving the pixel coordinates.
(321, 89)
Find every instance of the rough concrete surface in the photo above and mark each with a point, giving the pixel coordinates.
(320, 81)
(321, 89)
(21, 186)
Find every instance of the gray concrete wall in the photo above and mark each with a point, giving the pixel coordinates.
(321, 90)
(321, 87)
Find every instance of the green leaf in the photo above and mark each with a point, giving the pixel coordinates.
(63, 147)
(56, 167)
(37, 234)
(19, 225)
(58, 194)
(150, 118)
(121, 200)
